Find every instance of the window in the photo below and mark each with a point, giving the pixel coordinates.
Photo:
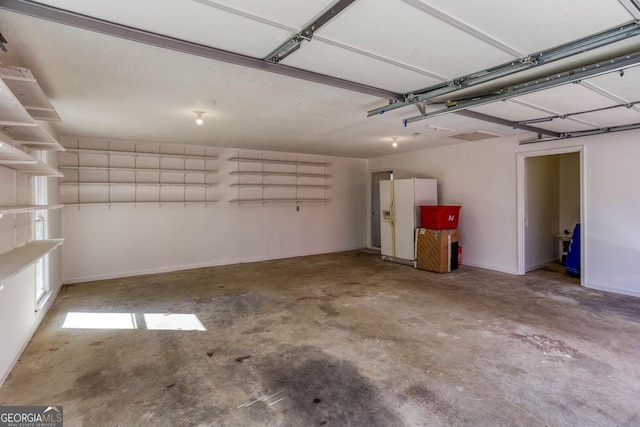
(41, 265)
(40, 233)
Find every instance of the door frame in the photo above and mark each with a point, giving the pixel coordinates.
(521, 208)
(369, 223)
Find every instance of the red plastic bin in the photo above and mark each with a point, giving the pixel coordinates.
(439, 217)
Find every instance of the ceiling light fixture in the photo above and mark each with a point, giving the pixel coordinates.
(199, 120)
(395, 142)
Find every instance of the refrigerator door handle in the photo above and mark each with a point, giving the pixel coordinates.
(393, 213)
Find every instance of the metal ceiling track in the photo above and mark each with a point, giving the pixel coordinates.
(633, 6)
(85, 22)
(294, 43)
(564, 116)
(564, 51)
(508, 123)
(537, 85)
(581, 133)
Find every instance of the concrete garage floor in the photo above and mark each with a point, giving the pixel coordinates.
(336, 340)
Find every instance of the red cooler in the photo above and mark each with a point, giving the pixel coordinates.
(439, 217)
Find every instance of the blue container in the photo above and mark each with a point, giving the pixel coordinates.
(573, 256)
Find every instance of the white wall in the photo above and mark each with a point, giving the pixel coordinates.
(18, 316)
(542, 210)
(569, 170)
(123, 240)
(481, 176)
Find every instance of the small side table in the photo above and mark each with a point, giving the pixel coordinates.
(563, 246)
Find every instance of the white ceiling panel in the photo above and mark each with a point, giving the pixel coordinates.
(401, 32)
(517, 112)
(614, 117)
(451, 124)
(569, 98)
(532, 26)
(626, 87)
(294, 14)
(510, 111)
(327, 59)
(187, 20)
(566, 125)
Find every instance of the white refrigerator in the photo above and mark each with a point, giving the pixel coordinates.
(400, 201)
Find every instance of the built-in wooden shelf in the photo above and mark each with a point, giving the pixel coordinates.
(277, 162)
(5, 210)
(28, 92)
(37, 169)
(10, 155)
(140, 153)
(17, 260)
(34, 137)
(112, 168)
(20, 161)
(24, 102)
(294, 174)
(239, 201)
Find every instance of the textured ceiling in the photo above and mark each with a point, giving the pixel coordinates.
(104, 86)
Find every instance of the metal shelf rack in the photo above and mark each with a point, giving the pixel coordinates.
(136, 176)
(288, 188)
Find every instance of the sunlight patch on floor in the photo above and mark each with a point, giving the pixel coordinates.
(100, 321)
(173, 322)
(152, 321)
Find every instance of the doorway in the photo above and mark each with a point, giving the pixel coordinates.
(550, 204)
(376, 177)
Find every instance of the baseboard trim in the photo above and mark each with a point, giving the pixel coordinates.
(192, 266)
(621, 291)
(490, 267)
